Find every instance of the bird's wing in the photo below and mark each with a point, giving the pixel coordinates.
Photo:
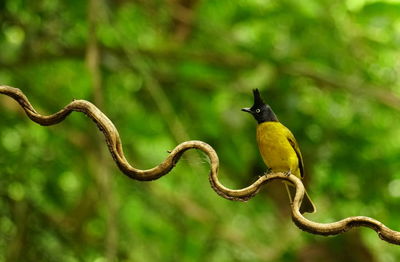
(296, 148)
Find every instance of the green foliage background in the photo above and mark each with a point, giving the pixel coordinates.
(170, 71)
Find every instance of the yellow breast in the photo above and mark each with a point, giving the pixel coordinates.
(276, 151)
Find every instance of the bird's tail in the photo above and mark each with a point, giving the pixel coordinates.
(306, 205)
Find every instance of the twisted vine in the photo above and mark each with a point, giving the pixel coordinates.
(115, 147)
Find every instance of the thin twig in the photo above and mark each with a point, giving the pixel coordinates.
(115, 147)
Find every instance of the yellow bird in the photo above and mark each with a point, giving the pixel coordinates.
(278, 147)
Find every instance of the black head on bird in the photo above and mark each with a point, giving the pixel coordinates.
(260, 111)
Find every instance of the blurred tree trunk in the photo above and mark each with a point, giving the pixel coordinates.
(101, 168)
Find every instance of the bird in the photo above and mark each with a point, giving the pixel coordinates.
(278, 147)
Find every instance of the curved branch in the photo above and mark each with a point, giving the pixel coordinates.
(115, 147)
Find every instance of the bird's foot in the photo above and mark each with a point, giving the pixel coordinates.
(288, 173)
(269, 171)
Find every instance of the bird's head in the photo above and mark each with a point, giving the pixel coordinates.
(260, 111)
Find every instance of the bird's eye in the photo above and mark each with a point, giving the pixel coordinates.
(258, 110)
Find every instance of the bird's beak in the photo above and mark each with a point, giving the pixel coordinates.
(246, 110)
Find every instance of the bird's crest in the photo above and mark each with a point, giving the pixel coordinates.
(257, 98)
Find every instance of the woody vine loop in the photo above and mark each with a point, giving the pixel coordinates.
(114, 144)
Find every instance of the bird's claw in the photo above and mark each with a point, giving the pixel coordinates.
(269, 170)
(288, 173)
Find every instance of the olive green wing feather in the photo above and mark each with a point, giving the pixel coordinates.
(306, 205)
(296, 148)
